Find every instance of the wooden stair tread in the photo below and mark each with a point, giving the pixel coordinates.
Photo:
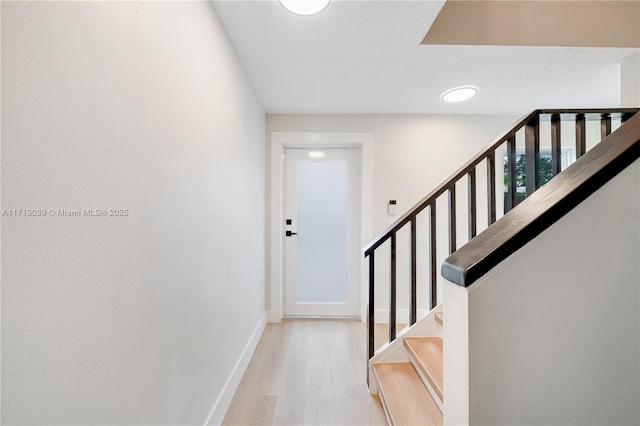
(405, 398)
(427, 355)
(439, 317)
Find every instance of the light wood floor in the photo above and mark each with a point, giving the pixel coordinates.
(307, 372)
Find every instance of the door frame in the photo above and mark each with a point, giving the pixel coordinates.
(281, 141)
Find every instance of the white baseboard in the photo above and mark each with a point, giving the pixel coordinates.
(381, 316)
(222, 404)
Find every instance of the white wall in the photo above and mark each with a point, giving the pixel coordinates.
(138, 319)
(455, 349)
(554, 330)
(412, 154)
(630, 81)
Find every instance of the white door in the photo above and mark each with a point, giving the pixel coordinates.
(321, 250)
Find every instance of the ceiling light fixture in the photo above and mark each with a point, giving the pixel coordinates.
(459, 94)
(305, 7)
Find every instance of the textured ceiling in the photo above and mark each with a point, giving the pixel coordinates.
(366, 57)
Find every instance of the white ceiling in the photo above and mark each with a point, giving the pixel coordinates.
(366, 57)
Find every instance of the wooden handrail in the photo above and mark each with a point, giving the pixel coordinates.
(477, 159)
(546, 206)
(615, 112)
(440, 189)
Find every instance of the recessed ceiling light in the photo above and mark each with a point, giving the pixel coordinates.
(305, 7)
(459, 94)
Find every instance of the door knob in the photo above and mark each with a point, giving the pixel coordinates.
(289, 233)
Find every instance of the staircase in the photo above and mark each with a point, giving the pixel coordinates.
(410, 388)
(408, 371)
